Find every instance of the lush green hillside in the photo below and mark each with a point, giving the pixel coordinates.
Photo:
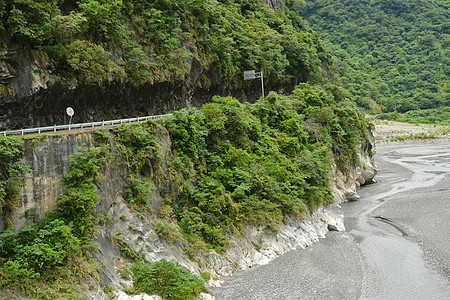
(392, 54)
(231, 164)
(154, 41)
(241, 163)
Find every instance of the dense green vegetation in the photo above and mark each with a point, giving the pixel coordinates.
(168, 279)
(245, 163)
(153, 41)
(49, 259)
(236, 164)
(394, 55)
(231, 164)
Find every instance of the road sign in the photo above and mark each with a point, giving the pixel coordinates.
(70, 111)
(251, 74)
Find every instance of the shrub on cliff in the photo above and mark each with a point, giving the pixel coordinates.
(237, 163)
(168, 279)
(154, 41)
(232, 164)
(77, 203)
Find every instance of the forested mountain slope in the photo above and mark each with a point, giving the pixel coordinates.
(96, 208)
(110, 59)
(392, 54)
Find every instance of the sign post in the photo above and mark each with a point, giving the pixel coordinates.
(251, 74)
(70, 113)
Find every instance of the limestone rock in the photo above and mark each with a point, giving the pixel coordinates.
(275, 5)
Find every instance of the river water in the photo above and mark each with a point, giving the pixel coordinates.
(395, 261)
(395, 247)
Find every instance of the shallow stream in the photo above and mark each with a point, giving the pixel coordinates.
(381, 255)
(394, 261)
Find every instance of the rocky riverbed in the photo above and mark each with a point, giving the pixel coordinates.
(390, 132)
(395, 246)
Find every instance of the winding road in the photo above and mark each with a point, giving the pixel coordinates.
(396, 245)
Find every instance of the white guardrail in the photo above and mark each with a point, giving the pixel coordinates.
(56, 128)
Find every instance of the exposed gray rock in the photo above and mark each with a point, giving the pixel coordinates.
(48, 160)
(346, 182)
(259, 246)
(24, 72)
(275, 5)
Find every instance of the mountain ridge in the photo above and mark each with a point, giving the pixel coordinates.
(394, 56)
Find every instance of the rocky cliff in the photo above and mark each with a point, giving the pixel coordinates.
(48, 159)
(109, 61)
(33, 95)
(274, 5)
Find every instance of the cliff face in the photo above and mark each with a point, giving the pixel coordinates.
(257, 245)
(143, 58)
(274, 5)
(33, 95)
(345, 183)
(49, 163)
